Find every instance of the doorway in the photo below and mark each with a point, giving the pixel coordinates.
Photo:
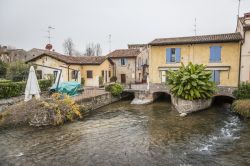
(123, 78)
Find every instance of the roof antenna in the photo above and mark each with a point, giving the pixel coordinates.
(49, 32)
(239, 9)
(109, 43)
(195, 27)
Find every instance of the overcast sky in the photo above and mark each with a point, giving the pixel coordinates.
(23, 23)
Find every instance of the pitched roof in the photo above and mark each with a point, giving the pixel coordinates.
(83, 60)
(124, 53)
(219, 38)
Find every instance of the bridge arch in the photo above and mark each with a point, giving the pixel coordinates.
(161, 95)
(218, 99)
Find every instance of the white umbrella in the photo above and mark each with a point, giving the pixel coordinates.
(32, 86)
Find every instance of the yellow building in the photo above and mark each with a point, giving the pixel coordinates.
(92, 69)
(220, 53)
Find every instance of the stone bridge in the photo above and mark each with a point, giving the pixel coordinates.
(143, 95)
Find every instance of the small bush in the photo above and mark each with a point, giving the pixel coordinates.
(45, 84)
(242, 107)
(63, 108)
(191, 82)
(113, 79)
(243, 92)
(115, 89)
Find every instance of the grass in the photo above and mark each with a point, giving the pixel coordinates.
(242, 107)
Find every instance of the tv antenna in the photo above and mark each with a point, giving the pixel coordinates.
(49, 33)
(195, 27)
(239, 9)
(109, 43)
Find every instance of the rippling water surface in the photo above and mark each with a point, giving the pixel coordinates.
(124, 134)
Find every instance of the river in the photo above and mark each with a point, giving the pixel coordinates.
(124, 134)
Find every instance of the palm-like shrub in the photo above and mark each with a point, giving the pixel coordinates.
(191, 82)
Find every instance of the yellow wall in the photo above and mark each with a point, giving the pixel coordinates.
(97, 72)
(199, 54)
(51, 62)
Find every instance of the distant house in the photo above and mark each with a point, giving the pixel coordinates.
(243, 26)
(220, 53)
(92, 69)
(8, 55)
(131, 65)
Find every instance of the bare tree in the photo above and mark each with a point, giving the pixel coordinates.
(93, 49)
(68, 46)
(98, 50)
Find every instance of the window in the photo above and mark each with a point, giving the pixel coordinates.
(215, 54)
(172, 59)
(173, 55)
(109, 73)
(102, 73)
(123, 61)
(39, 74)
(55, 72)
(215, 76)
(139, 62)
(89, 74)
(74, 74)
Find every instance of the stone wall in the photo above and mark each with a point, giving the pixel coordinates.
(98, 101)
(188, 106)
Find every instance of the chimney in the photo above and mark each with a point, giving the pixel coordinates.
(247, 18)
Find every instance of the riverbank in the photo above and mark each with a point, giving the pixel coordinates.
(38, 113)
(242, 107)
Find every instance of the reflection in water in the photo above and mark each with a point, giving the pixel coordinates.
(124, 134)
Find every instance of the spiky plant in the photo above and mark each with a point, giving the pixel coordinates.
(191, 82)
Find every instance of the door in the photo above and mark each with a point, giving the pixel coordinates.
(123, 78)
(106, 76)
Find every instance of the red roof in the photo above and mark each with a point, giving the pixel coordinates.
(124, 53)
(82, 60)
(219, 38)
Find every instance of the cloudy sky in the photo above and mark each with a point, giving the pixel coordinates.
(23, 23)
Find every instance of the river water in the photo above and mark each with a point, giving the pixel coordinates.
(124, 134)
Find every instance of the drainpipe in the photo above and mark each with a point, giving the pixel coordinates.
(240, 65)
(68, 72)
(135, 68)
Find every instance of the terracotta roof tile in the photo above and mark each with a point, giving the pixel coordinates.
(83, 60)
(125, 53)
(230, 37)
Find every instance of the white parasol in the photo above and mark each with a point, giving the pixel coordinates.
(32, 86)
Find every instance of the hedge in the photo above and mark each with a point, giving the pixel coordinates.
(243, 92)
(12, 89)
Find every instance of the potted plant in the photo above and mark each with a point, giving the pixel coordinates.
(191, 88)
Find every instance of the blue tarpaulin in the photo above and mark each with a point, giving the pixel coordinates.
(69, 88)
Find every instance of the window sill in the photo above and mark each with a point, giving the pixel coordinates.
(215, 62)
(173, 62)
